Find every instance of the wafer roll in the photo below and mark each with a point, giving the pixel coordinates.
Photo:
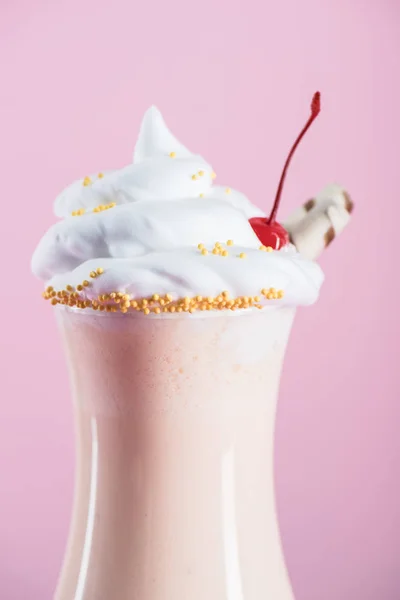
(315, 225)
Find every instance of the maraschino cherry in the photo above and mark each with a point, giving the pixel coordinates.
(269, 231)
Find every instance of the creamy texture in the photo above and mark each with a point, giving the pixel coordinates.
(165, 205)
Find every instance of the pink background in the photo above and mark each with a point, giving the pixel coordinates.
(234, 80)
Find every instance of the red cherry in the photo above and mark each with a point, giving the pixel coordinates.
(268, 231)
(273, 234)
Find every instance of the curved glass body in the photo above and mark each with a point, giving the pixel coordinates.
(174, 495)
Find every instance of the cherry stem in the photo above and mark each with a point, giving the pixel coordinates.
(315, 109)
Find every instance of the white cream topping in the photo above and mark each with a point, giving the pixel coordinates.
(165, 205)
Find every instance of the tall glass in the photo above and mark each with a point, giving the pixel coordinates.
(174, 496)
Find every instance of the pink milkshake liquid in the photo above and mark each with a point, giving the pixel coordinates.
(174, 496)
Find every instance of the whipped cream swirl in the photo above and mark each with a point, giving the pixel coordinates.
(161, 207)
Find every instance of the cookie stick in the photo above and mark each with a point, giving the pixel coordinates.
(314, 226)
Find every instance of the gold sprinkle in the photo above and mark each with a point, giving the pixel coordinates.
(225, 253)
(242, 255)
(172, 154)
(263, 248)
(87, 181)
(204, 251)
(100, 175)
(93, 274)
(200, 246)
(269, 249)
(201, 195)
(99, 271)
(85, 283)
(228, 190)
(168, 297)
(69, 288)
(54, 301)
(194, 177)
(229, 243)
(79, 288)
(216, 251)
(201, 173)
(146, 311)
(156, 297)
(157, 310)
(213, 175)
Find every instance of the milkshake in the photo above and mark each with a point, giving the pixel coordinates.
(175, 299)
(174, 489)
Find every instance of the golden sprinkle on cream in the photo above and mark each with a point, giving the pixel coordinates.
(99, 271)
(213, 175)
(120, 301)
(229, 243)
(228, 190)
(269, 249)
(242, 255)
(194, 177)
(204, 251)
(93, 274)
(201, 195)
(172, 154)
(200, 246)
(201, 173)
(225, 253)
(87, 181)
(102, 207)
(100, 175)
